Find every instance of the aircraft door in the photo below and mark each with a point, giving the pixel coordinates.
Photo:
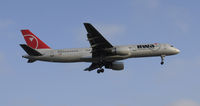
(133, 49)
(51, 53)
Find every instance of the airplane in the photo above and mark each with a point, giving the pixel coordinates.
(101, 53)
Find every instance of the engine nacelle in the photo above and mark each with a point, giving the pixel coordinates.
(115, 66)
(121, 51)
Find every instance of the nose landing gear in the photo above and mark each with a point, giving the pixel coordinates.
(162, 59)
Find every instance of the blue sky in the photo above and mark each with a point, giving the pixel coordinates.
(59, 23)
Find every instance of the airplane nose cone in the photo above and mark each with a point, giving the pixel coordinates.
(177, 51)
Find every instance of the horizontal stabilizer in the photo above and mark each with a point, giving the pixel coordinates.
(31, 61)
(30, 51)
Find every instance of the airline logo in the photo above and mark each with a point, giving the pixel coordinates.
(149, 46)
(32, 41)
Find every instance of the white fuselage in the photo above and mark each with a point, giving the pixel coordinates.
(119, 53)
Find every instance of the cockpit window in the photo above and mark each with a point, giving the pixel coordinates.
(172, 46)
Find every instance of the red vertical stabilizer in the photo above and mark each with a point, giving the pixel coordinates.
(33, 41)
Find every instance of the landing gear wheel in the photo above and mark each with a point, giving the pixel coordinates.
(162, 63)
(101, 70)
(98, 71)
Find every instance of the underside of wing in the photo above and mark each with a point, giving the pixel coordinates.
(99, 47)
(93, 66)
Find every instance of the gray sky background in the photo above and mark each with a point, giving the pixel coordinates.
(144, 82)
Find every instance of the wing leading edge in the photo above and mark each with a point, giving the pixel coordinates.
(96, 40)
(98, 44)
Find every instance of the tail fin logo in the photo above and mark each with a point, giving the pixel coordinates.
(33, 41)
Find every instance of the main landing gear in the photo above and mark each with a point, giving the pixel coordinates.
(162, 59)
(100, 70)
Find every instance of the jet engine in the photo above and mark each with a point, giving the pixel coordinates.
(121, 51)
(115, 66)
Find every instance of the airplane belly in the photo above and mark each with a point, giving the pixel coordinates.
(145, 53)
(58, 59)
(76, 57)
(66, 59)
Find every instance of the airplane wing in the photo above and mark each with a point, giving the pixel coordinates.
(98, 44)
(97, 41)
(93, 66)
